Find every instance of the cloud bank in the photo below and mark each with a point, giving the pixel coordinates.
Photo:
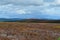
(30, 9)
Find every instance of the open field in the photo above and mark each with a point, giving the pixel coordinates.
(29, 31)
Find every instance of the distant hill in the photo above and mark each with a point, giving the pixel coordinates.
(9, 20)
(39, 21)
(29, 20)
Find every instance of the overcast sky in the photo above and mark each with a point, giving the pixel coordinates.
(49, 9)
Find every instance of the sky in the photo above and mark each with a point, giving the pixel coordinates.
(41, 9)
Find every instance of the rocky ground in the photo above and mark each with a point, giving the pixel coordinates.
(29, 31)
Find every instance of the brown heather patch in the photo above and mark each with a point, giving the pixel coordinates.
(29, 31)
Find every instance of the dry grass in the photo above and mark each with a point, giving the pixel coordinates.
(29, 31)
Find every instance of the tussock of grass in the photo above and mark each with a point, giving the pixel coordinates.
(56, 26)
(59, 38)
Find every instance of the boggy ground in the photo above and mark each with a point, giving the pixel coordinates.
(29, 31)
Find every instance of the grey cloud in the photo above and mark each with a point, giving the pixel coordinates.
(34, 6)
(21, 2)
(25, 2)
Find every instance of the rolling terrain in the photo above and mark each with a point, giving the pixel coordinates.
(29, 20)
(38, 21)
(29, 31)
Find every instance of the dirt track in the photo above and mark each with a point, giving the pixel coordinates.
(29, 31)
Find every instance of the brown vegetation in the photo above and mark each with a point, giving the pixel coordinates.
(29, 31)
